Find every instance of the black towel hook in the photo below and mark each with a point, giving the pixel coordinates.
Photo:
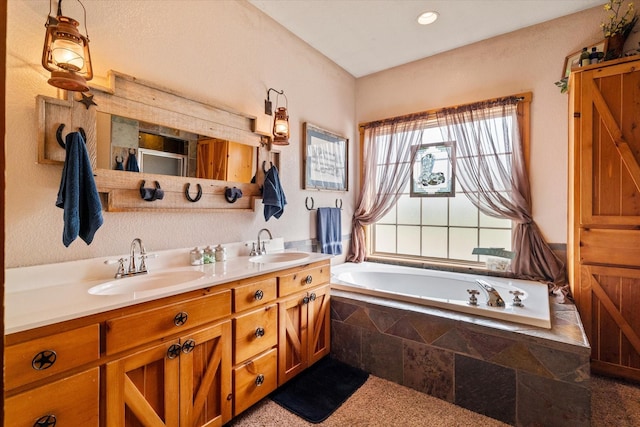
(232, 194)
(61, 141)
(306, 203)
(264, 162)
(339, 206)
(151, 194)
(188, 196)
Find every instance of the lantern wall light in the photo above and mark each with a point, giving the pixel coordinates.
(281, 118)
(66, 52)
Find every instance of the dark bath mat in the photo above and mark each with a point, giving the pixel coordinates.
(318, 391)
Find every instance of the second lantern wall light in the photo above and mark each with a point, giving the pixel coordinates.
(281, 118)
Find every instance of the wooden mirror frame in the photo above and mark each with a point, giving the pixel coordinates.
(129, 97)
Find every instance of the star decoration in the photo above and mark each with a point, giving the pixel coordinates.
(87, 100)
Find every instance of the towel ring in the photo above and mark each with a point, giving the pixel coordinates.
(61, 141)
(188, 196)
(306, 203)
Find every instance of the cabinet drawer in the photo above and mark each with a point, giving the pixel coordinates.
(73, 401)
(254, 294)
(132, 330)
(254, 380)
(304, 279)
(255, 332)
(43, 357)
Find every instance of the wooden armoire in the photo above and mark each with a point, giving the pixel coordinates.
(604, 211)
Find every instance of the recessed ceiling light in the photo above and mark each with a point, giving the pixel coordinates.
(427, 18)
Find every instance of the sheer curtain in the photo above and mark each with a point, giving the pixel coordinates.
(386, 164)
(491, 170)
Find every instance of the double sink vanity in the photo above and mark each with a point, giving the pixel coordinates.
(180, 345)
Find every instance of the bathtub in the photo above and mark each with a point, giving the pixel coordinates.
(446, 290)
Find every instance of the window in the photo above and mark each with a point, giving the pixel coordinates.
(442, 229)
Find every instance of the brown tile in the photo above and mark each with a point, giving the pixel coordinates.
(346, 343)
(454, 341)
(341, 310)
(518, 356)
(562, 365)
(382, 355)
(383, 319)
(361, 319)
(428, 370)
(430, 328)
(484, 345)
(404, 329)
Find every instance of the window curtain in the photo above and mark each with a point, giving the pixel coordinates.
(497, 183)
(386, 165)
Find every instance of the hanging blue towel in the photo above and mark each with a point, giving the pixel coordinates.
(132, 163)
(78, 195)
(329, 230)
(273, 197)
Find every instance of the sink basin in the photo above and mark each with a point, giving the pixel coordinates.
(145, 282)
(279, 257)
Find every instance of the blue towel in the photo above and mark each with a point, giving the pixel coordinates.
(132, 163)
(78, 195)
(329, 230)
(273, 197)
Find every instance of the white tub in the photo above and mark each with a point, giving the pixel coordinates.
(445, 290)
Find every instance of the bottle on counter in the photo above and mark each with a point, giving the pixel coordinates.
(196, 256)
(221, 253)
(209, 256)
(593, 56)
(584, 57)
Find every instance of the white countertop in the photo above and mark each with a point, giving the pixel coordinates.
(46, 294)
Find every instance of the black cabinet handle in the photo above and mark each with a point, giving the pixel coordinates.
(305, 300)
(188, 346)
(180, 318)
(308, 279)
(259, 380)
(174, 351)
(44, 360)
(258, 295)
(46, 421)
(259, 332)
(312, 297)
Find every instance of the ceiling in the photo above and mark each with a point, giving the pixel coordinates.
(367, 36)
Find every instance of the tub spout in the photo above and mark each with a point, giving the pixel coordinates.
(493, 297)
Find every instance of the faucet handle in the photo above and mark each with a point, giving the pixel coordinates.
(517, 302)
(121, 272)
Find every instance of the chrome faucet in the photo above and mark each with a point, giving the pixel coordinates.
(493, 297)
(261, 249)
(132, 259)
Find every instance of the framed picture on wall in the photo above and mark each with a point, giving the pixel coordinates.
(433, 170)
(573, 60)
(325, 160)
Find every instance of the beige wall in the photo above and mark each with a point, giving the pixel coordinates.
(527, 60)
(230, 53)
(223, 51)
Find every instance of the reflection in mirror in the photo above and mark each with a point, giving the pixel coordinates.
(136, 146)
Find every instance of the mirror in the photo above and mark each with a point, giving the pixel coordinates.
(132, 145)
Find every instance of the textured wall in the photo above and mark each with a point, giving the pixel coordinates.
(526, 60)
(227, 52)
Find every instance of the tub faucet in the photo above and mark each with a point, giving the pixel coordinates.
(261, 249)
(493, 297)
(132, 258)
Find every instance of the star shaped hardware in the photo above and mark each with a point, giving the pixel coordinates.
(43, 360)
(87, 100)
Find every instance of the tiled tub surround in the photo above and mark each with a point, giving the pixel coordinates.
(521, 375)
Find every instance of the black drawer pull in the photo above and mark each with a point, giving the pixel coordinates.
(44, 360)
(308, 279)
(259, 380)
(258, 295)
(312, 297)
(46, 421)
(259, 332)
(180, 318)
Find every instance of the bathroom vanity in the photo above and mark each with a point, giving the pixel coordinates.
(193, 354)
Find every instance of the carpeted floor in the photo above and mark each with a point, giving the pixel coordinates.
(382, 403)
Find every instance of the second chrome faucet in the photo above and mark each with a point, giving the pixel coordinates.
(260, 250)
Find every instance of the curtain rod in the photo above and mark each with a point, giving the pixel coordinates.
(520, 97)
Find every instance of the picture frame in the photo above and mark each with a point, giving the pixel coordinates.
(326, 161)
(573, 59)
(433, 170)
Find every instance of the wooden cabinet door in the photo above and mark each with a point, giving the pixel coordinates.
(292, 337)
(604, 207)
(205, 377)
(142, 390)
(319, 320)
